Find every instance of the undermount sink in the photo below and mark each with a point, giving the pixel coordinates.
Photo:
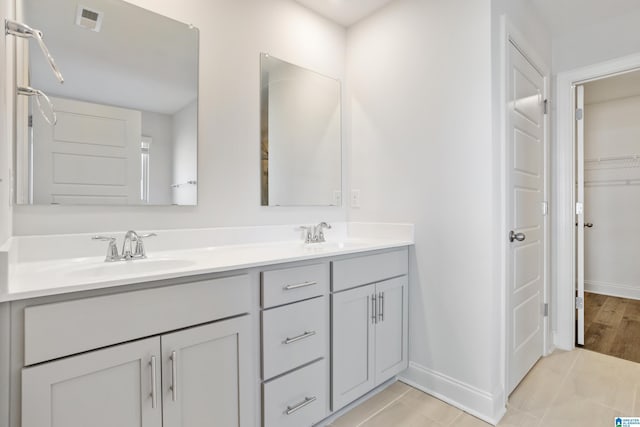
(139, 266)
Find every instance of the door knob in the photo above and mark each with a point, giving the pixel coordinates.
(516, 236)
(588, 224)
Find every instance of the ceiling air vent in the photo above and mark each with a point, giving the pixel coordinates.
(88, 18)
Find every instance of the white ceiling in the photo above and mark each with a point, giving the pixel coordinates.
(561, 16)
(139, 59)
(610, 88)
(344, 12)
(565, 16)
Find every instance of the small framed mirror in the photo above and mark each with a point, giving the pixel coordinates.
(127, 113)
(301, 149)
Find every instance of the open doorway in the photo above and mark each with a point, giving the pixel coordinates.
(609, 230)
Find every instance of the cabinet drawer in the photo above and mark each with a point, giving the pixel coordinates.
(294, 284)
(293, 335)
(60, 329)
(362, 270)
(298, 399)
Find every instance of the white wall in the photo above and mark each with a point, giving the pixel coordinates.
(185, 153)
(419, 83)
(612, 204)
(160, 128)
(598, 42)
(232, 34)
(6, 120)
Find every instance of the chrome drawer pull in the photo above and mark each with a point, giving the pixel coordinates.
(300, 337)
(307, 401)
(299, 285)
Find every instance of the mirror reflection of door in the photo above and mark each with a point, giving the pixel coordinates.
(120, 86)
(611, 206)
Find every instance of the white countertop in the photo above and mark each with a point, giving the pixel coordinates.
(31, 276)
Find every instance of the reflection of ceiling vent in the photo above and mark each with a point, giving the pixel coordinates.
(88, 18)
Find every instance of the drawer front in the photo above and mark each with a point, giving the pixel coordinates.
(298, 399)
(294, 284)
(362, 270)
(60, 329)
(293, 335)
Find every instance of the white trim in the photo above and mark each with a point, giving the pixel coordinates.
(481, 404)
(564, 280)
(612, 289)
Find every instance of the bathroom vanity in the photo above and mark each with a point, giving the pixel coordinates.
(271, 334)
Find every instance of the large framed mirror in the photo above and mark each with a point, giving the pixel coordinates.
(127, 113)
(300, 144)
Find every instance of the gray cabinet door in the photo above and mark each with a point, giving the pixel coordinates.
(391, 328)
(352, 344)
(206, 375)
(103, 388)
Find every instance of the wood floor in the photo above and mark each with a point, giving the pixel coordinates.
(612, 326)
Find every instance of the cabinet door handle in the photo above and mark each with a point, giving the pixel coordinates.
(307, 401)
(154, 383)
(174, 376)
(373, 309)
(299, 285)
(381, 300)
(306, 334)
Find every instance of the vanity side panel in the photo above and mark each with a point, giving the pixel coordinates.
(16, 358)
(5, 362)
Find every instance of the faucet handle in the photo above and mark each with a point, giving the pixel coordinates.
(308, 230)
(139, 251)
(112, 250)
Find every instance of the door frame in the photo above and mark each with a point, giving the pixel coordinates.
(565, 194)
(510, 34)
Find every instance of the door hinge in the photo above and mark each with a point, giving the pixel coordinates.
(545, 208)
(30, 124)
(545, 309)
(579, 208)
(546, 106)
(579, 303)
(579, 114)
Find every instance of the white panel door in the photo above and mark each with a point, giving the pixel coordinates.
(525, 220)
(206, 378)
(580, 212)
(91, 156)
(391, 341)
(103, 388)
(352, 345)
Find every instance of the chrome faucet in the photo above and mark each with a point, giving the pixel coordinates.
(315, 233)
(318, 233)
(129, 251)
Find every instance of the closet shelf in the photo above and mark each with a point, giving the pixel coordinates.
(613, 162)
(612, 182)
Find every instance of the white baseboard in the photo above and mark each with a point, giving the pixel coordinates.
(612, 289)
(481, 404)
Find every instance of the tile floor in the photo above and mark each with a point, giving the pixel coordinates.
(578, 388)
